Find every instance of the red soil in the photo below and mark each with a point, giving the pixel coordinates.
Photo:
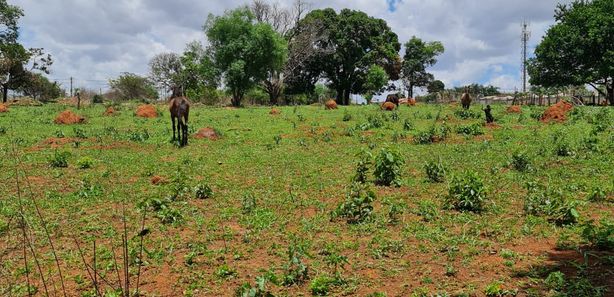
(110, 111)
(514, 109)
(208, 133)
(389, 106)
(68, 117)
(275, 111)
(158, 180)
(331, 104)
(4, 108)
(146, 111)
(557, 112)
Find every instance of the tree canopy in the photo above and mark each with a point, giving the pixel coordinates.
(243, 50)
(419, 55)
(130, 86)
(578, 49)
(350, 43)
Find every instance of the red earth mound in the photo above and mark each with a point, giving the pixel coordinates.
(557, 112)
(68, 117)
(146, 111)
(208, 133)
(411, 101)
(274, 111)
(389, 106)
(158, 180)
(514, 109)
(3, 108)
(331, 104)
(110, 111)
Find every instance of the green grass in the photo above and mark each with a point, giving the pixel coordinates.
(271, 184)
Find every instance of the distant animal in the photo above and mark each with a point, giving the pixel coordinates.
(466, 99)
(179, 106)
(393, 98)
(489, 118)
(389, 106)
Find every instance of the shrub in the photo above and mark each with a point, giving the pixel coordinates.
(520, 161)
(365, 159)
(203, 191)
(407, 125)
(427, 210)
(321, 284)
(79, 133)
(388, 168)
(259, 290)
(347, 116)
(357, 207)
(59, 159)
(600, 237)
(597, 194)
(550, 203)
(466, 192)
(248, 203)
(435, 171)
(97, 99)
(85, 162)
(466, 114)
(296, 272)
(563, 148)
(394, 116)
(473, 129)
(433, 134)
(375, 121)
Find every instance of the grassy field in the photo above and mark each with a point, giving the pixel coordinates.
(520, 208)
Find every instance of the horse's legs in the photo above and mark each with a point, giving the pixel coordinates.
(173, 120)
(185, 130)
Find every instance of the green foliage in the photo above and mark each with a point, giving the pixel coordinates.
(321, 285)
(259, 290)
(466, 114)
(472, 129)
(418, 56)
(550, 203)
(59, 159)
(357, 206)
(579, 25)
(244, 50)
(365, 160)
(408, 125)
(85, 162)
(203, 191)
(248, 203)
(520, 161)
(97, 98)
(599, 236)
(597, 194)
(39, 87)
(388, 168)
(130, 86)
(435, 86)
(435, 171)
(296, 272)
(434, 134)
(350, 38)
(466, 192)
(376, 78)
(347, 116)
(578, 286)
(427, 210)
(225, 272)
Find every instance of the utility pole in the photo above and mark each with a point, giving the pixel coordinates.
(71, 87)
(526, 35)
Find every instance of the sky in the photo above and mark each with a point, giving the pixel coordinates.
(95, 40)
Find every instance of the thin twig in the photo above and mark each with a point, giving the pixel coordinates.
(119, 280)
(95, 271)
(142, 235)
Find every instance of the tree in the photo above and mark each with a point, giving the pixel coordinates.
(435, 86)
(348, 44)
(199, 75)
(130, 86)
(418, 56)
(40, 88)
(375, 80)
(243, 50)
(578, 48)
(9, 16)
(165, 69)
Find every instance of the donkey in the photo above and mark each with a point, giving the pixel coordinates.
(466, 99)
(179, 107)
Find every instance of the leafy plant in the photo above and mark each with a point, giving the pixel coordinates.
(466, 114)
(599, 236)
(296, 272)
(365, 159)
(347, 116)
(321, 284)
(248, 203)
(59, 159)
(259, 290)
(357, 207)
(466, 192)
(203, 191)
(85, 162)
(407, 125)
(388, 168)
(473, 129)
(79, 133)
(520, 161)
(435, 171)
(551, 203)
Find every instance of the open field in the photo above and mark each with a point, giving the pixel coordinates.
(276, 181)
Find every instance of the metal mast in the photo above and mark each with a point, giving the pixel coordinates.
(526, 35)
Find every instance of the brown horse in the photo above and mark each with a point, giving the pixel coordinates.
(179, 107)
(466, 99)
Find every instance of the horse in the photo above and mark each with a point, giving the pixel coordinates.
(466, 99)
(179, 106)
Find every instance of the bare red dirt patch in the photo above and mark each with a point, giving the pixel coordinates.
(146, 111)
(208, 133)
(514, 109)
(557, 112)
(68, 117)
(331, 104)
(3, 108)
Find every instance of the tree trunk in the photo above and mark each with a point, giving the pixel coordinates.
(5, 94)
(339, 98)
(410, 91)
(610, 91)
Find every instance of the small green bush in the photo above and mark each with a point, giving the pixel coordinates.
(388, 168)
(85, 162)
(599, 236)
(408, 125)
(59, 159)
(472, 130)
(550, 203)
(248, 203)
(520, 161)
(435, 171)
(321, 285)
(466, 114)
(296, 272)
(365, 159)
(466, 192)
(357, 207)
(203, 191)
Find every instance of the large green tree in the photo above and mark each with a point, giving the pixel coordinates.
(578, 49)
(244, 50)
(419, 55)
(129, 86)
(347, 44)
